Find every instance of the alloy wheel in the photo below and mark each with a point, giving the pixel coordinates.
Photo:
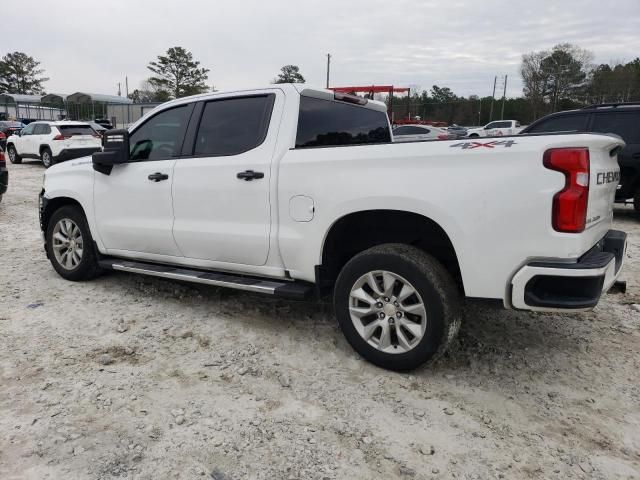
(67, 244)
(387, 311)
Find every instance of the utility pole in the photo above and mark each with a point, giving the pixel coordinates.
(328, 67)
(480, 111)
(493, 97)
(119, 93)
(504, 96)
(126, 85)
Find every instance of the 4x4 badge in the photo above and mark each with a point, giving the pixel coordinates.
(492, 144)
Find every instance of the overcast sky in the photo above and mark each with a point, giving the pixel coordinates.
(462, 44)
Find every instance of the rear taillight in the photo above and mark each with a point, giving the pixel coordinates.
(570, 204)
(443, 136)
(2, 136)
(3, 161)
(59, 137)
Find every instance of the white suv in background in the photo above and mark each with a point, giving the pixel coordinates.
(53, 142)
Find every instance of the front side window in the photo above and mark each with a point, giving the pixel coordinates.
(625, 124)
(234, 125)
(28, 130)
(325, 123)
(563, 123)
(160, 137)
(491, 125)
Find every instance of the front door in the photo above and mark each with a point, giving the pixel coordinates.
(25, 145)
(221, 190)
(133, 205)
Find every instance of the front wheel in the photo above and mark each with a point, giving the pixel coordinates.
(70, 246)
(397, 306)
(13, 155)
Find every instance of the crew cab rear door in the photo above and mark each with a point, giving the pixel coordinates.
(221, 189)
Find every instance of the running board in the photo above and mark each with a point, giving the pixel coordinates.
(280, 288)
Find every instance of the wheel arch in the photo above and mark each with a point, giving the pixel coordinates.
(358, 231)
(42, 147)
(52, 204)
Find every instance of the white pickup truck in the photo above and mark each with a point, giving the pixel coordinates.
(496, 129)
(294, 191)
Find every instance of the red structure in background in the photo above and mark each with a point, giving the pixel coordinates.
(389, 90)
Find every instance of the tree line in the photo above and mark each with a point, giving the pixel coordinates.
(174, 75)
(560, 78)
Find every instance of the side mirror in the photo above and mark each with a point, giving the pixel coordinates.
(115, 150)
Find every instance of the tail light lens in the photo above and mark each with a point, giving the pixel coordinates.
(2, 136)
(570, 204)
(443, 136)
(3, 161)
(59, 137)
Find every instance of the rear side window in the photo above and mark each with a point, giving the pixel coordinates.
(72, 130)
(563, 123)
(233, 126)
(410, 131)
(38, 129)
(325, 123)
(625, 124)
(160, 137)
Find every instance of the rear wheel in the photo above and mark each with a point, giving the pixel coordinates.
(46, 157)
(13, 155)
(70, 246)
(397, 306)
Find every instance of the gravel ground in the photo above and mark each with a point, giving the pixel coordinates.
(131, 377)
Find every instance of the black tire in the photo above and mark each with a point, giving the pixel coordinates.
(47, 157)
(429, 278)
(87, 268)
(13, 158)
(474, 135)
(636, 201)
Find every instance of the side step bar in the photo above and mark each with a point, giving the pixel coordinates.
(280, 288)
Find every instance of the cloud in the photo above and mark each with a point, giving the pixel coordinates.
(460, 44)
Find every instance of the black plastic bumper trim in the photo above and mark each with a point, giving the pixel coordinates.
(564, 292)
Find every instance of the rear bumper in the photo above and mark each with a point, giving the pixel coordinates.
(552, 285)
(71, 153)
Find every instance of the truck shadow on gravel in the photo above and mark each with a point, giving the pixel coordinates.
(490, 338)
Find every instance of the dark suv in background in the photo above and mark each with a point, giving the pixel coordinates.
(623, 119)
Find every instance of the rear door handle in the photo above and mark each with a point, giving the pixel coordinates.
(158, 177)
(249, 175)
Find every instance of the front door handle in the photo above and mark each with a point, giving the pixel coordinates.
(249, 175)
(158, 177)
